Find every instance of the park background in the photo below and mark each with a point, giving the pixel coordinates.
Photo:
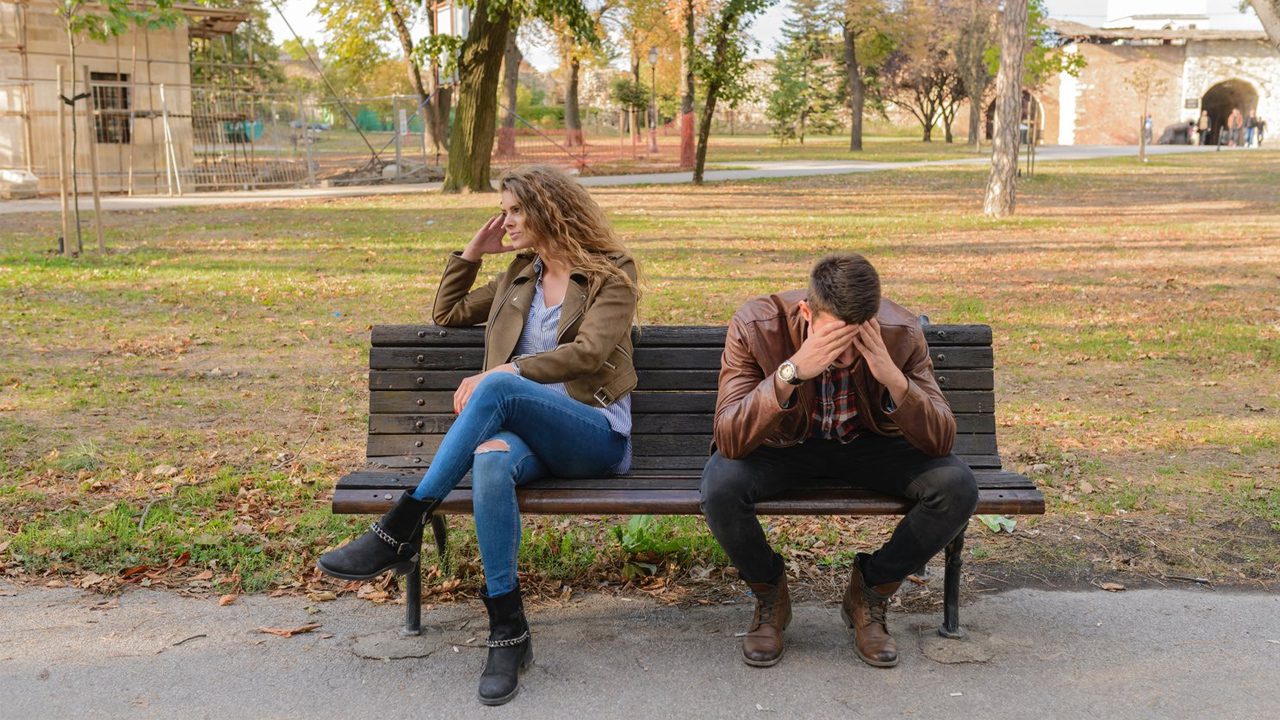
(175, 408)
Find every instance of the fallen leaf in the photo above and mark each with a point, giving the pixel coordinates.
(206, 575)
(1111, 586)
(290, 632)
(323, 596)
(227, 599)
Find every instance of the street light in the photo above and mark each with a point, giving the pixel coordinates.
(653, 105)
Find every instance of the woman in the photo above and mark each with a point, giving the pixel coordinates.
(554, 397)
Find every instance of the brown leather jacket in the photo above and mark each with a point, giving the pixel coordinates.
(593, 357)
(768, 330)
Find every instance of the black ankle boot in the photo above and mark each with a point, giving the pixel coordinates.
(392, 543)
(510, 649)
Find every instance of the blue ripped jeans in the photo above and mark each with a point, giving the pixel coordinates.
(546, 433)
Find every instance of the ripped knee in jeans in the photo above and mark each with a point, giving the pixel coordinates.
(489, 446)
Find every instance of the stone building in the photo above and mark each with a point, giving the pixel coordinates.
(140, 142)
(1203, 68)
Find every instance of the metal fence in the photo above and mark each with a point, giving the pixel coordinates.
(150, 138)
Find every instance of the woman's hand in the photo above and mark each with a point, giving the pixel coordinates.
(488, 240)
(462, 395)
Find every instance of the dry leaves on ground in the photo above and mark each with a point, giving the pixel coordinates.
(290, 632)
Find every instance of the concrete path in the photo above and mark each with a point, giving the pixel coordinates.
(1029, 654)
(748, 171)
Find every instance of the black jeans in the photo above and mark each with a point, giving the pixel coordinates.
(943, 489)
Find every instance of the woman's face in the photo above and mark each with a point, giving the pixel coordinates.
(513, 223)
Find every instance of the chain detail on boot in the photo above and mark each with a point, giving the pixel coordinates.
(510, 648)
(391, 543)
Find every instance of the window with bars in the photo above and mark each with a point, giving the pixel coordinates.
(111, 103)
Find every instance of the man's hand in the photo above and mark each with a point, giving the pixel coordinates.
(488, 240)
(462, 395)
(821, 348)
(869, 343)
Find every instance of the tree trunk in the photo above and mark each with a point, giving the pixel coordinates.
(1004, 159)
(572, 118)
(426, 101)
(728, 22)
(1268, 12)
(511, 58)
(471, 142)
(975, 122)
(635, 75)
(857, 89)
(687, 150)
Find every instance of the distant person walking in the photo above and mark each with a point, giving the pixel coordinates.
(1250, 129)
(1261, 130)
(1235, 124)
(1147, 127)
(1203, 127)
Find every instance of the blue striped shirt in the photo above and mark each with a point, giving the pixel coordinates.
(539, 335)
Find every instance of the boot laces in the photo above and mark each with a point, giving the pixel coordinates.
(767, 608)
(877, 609)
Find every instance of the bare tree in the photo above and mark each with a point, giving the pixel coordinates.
(1146, 83)
(1004, 159)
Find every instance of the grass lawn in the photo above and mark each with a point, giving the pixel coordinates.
(177, 412)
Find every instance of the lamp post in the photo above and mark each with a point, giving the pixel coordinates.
(653, 103)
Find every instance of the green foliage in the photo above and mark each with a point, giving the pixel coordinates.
(1045, 55)
(245, 59)
(807, 81)
(105, 19)
(629, 94)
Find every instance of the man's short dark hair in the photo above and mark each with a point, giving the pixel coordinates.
(845, 286)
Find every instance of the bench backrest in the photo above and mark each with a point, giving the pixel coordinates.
(414, 369)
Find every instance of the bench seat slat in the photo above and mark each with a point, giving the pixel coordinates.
(686, 502)
(399, 480)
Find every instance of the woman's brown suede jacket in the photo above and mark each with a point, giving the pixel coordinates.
(593, 354)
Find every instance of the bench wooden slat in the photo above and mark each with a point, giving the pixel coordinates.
(646, 358)
(642, 445)
(435, 423)
(403, 480)
(649, 379)
(441, 401)
(687, 336)
(689, 463)
(686, 502)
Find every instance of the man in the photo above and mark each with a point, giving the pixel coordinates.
(832, 383)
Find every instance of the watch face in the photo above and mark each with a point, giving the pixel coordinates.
(787, 371)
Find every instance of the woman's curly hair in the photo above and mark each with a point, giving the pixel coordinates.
(568, 224)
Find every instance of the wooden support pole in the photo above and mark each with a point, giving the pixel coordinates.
(92, 126)
(62, 165)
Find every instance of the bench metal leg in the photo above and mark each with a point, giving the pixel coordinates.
(413, 598)
(440, 529)
(413, 581)
(951, 590)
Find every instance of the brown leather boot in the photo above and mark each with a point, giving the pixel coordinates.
(762, 645)
(863, 610)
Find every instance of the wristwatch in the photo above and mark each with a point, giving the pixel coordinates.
(789, 373)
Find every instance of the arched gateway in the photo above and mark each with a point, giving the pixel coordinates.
(1222, 98)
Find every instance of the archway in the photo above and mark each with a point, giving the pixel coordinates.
(1222, 98)
(1029, 104)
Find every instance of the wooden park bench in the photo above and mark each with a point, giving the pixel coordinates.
(414, 369)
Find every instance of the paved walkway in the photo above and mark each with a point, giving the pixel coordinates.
(748, 171)
(1029, 654)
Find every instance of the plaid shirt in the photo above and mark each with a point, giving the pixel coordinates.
(835, 414)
